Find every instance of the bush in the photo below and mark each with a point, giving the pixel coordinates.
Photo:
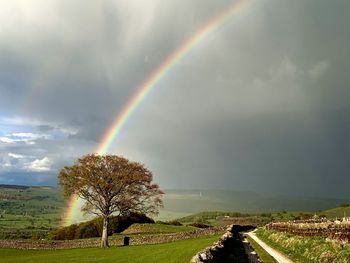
(64, 233)
(87, 229)
(200, 220)
(200, 225)
(93, 228)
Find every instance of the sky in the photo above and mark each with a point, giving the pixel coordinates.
(262, 103)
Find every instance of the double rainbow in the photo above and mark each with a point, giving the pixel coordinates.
(113, 131)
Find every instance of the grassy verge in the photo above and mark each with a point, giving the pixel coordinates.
(264, 256)
(179, 251)
(306, 249)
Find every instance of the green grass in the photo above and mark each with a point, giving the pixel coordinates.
(179, 251)
(155, 229)
(337, 212)
(264, 256)
(306, 249)
(26, 208)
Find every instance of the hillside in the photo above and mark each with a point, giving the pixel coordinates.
(29, 200)
(337, 212)
(27, 208)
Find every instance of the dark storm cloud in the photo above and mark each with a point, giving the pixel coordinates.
(260, 104)
(262, 108)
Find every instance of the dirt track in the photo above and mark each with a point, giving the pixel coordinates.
(274, 253)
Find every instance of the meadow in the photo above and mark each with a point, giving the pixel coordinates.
(179, 251)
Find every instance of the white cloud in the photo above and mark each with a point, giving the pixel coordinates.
(30, 136)
(17, 121)
(16, 156)
(18, 163)
(6, 140)
(6, 165)
(26, 137)
(38, 165)
(318, 70)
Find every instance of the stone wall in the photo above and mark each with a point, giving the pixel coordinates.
(221, 250)
(113, 241)
(325, 229)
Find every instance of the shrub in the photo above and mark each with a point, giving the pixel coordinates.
(200, 225)
(64, 233)
(93, 228)
(87, 229)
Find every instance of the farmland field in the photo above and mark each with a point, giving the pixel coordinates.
(29, 211)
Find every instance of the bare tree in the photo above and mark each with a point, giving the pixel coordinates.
(111, 184)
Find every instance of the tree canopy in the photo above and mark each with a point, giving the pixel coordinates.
(111, 184)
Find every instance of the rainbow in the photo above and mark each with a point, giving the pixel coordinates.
(148, 85)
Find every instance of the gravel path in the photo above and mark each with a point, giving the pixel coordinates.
(274, 253)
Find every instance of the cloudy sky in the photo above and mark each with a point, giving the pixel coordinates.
(262, 103)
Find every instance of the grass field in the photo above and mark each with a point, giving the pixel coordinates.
(306, 249)
(337, 212)
(179, 251)
(155, 229)
(30, 207)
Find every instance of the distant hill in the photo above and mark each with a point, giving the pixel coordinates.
(10, 186)
(193, 201)
(14, 186)
(30, 207)
(48, 203)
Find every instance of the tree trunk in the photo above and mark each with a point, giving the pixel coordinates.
(104, 242)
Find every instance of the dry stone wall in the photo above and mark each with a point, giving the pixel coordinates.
(221, 250)
(113, 241)
(326, 229)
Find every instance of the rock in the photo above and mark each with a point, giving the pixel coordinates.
(215, 252)
(196, 259)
